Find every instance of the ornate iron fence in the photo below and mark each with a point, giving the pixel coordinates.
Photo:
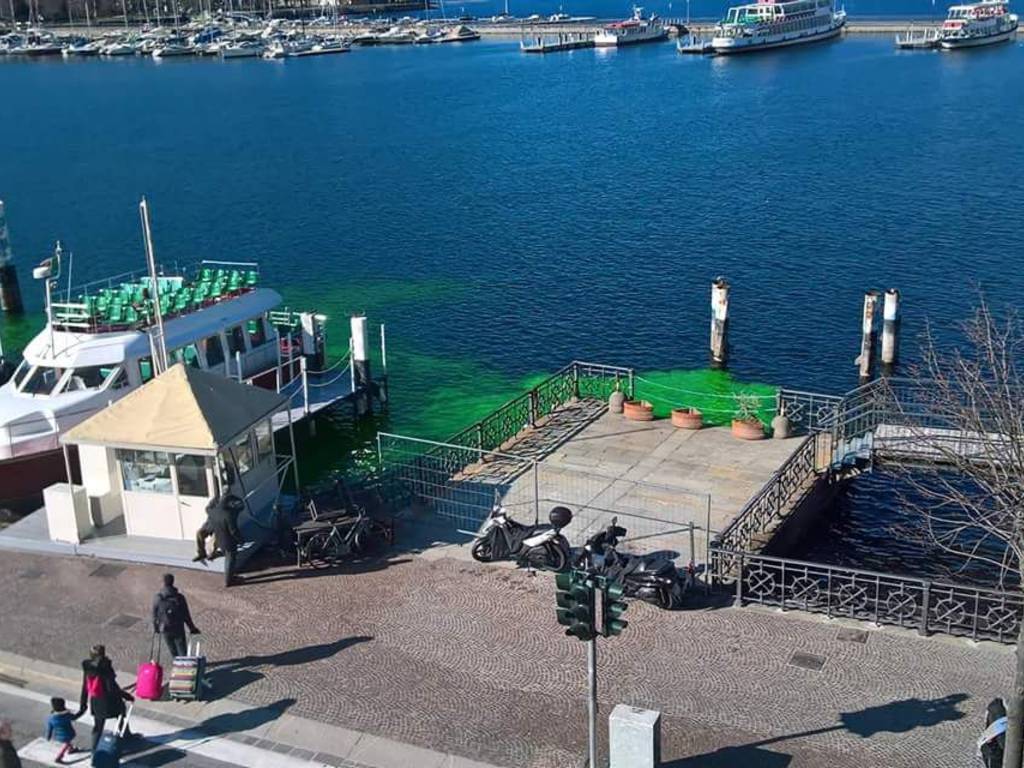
(808, 412)
(881, 598)
(776, 497)
(577, 379)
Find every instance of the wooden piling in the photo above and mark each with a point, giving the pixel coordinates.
(865, 360)
(10, 291)
(361, 366)
(719, 323)
(890, 330)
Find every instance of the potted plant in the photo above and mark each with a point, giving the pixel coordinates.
(638, 410)
(745, 424)
(687, 418)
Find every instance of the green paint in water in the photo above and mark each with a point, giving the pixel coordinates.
(716, 394)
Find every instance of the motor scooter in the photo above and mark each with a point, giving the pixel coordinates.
(536, 546)
(651, 578)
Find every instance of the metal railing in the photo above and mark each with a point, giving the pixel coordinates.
(576, 380)
(776, 498)
(881, 598)
(808, 412)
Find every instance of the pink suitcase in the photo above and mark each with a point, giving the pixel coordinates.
(149, 682)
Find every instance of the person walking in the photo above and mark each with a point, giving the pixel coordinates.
(101, 693)
(8, 754)
(171, 616)
(60, 729)
(222, 524)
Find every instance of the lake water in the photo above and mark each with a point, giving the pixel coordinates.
(505, 214)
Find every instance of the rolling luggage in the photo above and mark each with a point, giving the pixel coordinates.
(108, 750)
(149, 681)
(187, 674)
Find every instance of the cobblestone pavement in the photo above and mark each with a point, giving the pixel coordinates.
(461, 657)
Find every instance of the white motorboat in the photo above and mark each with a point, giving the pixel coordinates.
(326, 47)
(84, 48)
(460, 34)
(768, 24)
(284, 49)
(119, 48)
(173, 47)
(397, 36)
(245, 49)
(428, 37)
(638, 29)
(977, 24)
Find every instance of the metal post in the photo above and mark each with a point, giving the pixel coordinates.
(925, 607)
(592, 701)
(536, 493)
(305, 385)
(295, 454)
(238, 365)
(632, 384)
(159, 364)
(739, 584)
(71, 483)
(351, 369)
(693, 545)
(277, 377)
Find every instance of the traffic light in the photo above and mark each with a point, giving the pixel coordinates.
(575, 598)
(612, 608)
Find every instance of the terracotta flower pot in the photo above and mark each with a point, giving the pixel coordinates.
(687, 418)
(638, 410)
(747, 429)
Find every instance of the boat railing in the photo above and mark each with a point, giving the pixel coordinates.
(65, 295)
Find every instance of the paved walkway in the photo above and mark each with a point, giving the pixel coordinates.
(462, 658)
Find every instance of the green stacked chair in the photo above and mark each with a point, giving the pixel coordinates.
(234, 281)
(116, 314)
(250, 278)
(205, 275)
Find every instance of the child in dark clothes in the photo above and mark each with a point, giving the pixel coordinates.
(60, 729)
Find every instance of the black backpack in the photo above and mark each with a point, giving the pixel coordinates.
(170, 612)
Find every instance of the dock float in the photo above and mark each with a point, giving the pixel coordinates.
(564, 41)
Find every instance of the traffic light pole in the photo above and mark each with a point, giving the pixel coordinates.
(592, 700)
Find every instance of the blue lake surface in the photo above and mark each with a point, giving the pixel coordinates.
(507, 213)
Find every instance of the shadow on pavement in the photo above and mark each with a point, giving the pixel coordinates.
(231, 675)
(152, 752)
(894, 717)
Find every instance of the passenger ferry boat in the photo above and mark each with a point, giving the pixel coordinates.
(976, 24)
(635, 30)
(767, 24)
(100, 345)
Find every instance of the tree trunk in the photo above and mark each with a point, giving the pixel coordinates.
(1014, 753)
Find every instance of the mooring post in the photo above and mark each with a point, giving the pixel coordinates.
(360, 365)
(867, 342)
(10, 291)
(890, 330)
(719, 322)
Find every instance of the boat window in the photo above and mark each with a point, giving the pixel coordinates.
(189, 355)
(148, 471)
(257, 333)
(120, 379)
(213, 350)
(20, 373)
(241, 452)
(236, 341)
(90, 377)
(191, 472)
(145, 369)
(42, 380)
(264, 441)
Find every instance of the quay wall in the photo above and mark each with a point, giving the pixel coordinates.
(514, 30)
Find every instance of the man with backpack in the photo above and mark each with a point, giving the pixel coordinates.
(171, 616)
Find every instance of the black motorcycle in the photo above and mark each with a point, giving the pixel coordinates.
(652, 578)
(537, 546)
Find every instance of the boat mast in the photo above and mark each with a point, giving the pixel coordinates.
(160, 358)
(124, 11)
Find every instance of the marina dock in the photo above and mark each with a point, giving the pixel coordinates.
(563, 41)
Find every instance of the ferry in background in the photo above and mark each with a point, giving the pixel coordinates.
(635, 30)
(767, 24)
(98, 345)
(976, 24)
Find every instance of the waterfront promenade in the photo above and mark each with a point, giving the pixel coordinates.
(458, 657)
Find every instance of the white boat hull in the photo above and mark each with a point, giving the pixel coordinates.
(953, 44)
(611, 41)
(731, 45)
